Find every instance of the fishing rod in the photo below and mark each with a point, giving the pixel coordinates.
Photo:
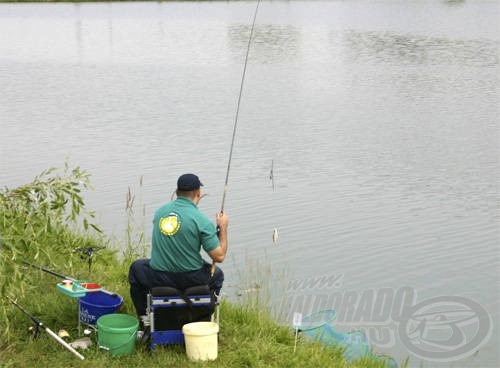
(39, 324)
(212, 270)
(49, 271)
(63, 276)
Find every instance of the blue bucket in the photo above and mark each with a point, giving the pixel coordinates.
(97, 304)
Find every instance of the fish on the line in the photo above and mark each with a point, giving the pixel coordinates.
(275, 235)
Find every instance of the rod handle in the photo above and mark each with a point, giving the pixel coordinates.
(212, 269)
(64, 343)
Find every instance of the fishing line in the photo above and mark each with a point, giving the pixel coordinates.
(236, 118)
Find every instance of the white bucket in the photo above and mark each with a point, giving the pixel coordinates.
(201, 340)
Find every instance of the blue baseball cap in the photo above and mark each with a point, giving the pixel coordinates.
(188, 182)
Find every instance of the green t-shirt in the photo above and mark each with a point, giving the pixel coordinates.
(180, 230)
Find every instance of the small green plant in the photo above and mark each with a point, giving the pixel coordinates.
(42, 221)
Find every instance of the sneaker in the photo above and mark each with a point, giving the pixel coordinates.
(140, 335)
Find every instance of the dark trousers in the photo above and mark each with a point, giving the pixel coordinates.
(142, 278)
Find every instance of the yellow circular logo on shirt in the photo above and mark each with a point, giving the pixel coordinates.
(170, 225)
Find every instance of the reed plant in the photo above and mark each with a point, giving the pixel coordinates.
(136, 245)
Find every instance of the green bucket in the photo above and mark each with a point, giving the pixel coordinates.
(117, 333)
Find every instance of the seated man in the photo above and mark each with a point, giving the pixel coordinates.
(180, 230)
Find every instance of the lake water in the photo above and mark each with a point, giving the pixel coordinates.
(380, 121)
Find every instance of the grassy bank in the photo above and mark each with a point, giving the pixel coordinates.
(45, 222)
(247, 337)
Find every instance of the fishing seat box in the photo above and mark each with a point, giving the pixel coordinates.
(170, 309)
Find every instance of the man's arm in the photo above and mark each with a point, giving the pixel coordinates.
(219, 253)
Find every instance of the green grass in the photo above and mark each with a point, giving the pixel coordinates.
(247, 337)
